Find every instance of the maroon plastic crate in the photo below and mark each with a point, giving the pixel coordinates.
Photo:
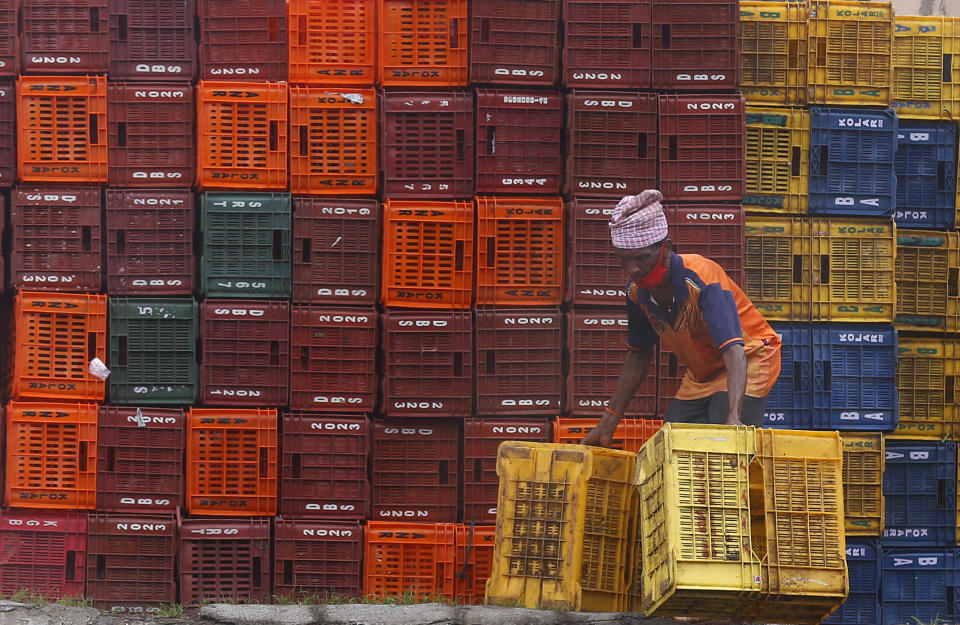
(701, 147)
(9, 40)
(130, 562)
(594, 276)
(140, 459)
(519, 361)
(333, 359)
(151, 134)
(150, 242)
(612, 150)
(8, 132)
(427, 363)
(226, 560)
(56, 238)
(481, 440)
(712, 230)
(152, 40)
(607, 44)
(696, 45)
(415, 469)
(427, 144)
(43, 552)
(246, 352)
(518, 141)
(597, 340)
(243, 39)
(335, 259)
(324, 467)
(668, 382)
(65, 37)
(317, 560)
(515, 42)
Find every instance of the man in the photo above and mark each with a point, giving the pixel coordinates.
(731, 353)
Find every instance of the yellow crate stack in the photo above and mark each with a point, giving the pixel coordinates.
(926, 83)
(863, 462)
(777, 160)
(773, 52)
(777, 267)
(928, 275)
(927, 376)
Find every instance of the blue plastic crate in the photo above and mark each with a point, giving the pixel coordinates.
(919, 586)
(854, 376)
(851, 161)
(790, 402)
(920, 493)
(926, 168)
(862, 606)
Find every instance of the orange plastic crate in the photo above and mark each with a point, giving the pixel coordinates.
(423, 43)
(519, 251)
(630, 435)
(62, 128)
(474, 562)
(428, 254)
(241, 135)
(232, 462)
(56, 336)
(51, 455)
(416, 558)
(333, 141)
(332, 42)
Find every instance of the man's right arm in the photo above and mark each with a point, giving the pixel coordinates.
(634, 372)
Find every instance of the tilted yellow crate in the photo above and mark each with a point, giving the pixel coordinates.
(778, 160)
(863, 462)
(927, 272)
(773, 52)
(778, 267)
(927, 370)
(926, 79)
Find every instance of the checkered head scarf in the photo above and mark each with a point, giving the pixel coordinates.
(638, 221)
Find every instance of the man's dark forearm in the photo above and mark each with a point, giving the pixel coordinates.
(735, 361)
(635, 368)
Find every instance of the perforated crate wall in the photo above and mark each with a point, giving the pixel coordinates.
(515, 43)
(607, 44)
(65, 36)
(152, 39)
(920, 493)
(927, 268)
(630, 434)
(243, 39)
(695, 45)
(863, 462)
(777, 160)
(404, 557)
(332, 42)
(224, 560)
(927, 371)
(474, 562)
(712, 230)
(863, 603)
(9, 42)
(594, 275)
(422, 43)
(62, 128)
(790, 401)
(918, 583)
(8, 127)
(925, 165)
(773, 52)
(778, 271)
(317, 559)
(43, 552)
(924, 75)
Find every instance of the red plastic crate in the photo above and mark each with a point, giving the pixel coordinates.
(630, 434)
(597, 340)
(427, 254)
(62, 128)
(9, 40)
(232, 462)
(56, 238)
(152, 40)
(696, 45)
(65, 36)
(612, 148)
(151, 134)
(150, 242)
(43, 552)
(56, 337)
(333, 359)
(519, 251)
(519, 361)
(324, 467)
(241, 134)
(702, 147)
(423, 43)
(333, 141)
(130, 562)
(243, 39)
(332, 42)
(226, 560)
(427, 144)
(481, 440)
(668, 382)
(475, 545)
(595, 277)
(515, 42)
(8, 130)
(712, 230)
(51, 457)
(415, 469)
(427, 363)
(607, 44)
(518, 141)
(140, 459)
(401, 558)
(246, 352)
(317, 559)
(335, 258)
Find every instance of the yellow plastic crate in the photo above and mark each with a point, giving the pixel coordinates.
(849, 52)
(922, 47)
(696, 554)
(853, 269)
(863, 462)
(773, 52)
(928, 275)
(565, 524)
(778, 160)
(927, 378)
(777, 267)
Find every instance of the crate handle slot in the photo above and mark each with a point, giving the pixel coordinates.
(942, 494)
(953, 286)
(273, 26)
(121, 242)
(641, 145)
(122, 350)
(824, 158)
(491, 252)
(664, 36)
(255, 572)
(461, 139)
(305, 358)
(457, 364)
(485, 30)
(121, 134)
(94, 19)
(949, 390)
(672, 365)
(491, 362)
(491, 140)
(86, 238)
(673, 147)
(111, 458)
(793, 54)
(274, 353)
(948, 68)
(443, 465)
(274, 136)
(478, 470)
(638, 35)
(824, 269)
(288, 572)
(795, 161)
(91, 345)
(797, 268)
(758, 505)
(82, 453)
(306, 247)
(101, 565)
(71, 565)
(941, 176)
(295, 462)
(278, 244)
(304, 140)
(827, 375)
(454, 32)
(122, 27)
(264, 463)
(302, 30)
(459, 253)
(94, 129)
(798, 376)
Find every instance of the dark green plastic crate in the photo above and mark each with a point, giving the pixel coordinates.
(153, 345)
(246, 245)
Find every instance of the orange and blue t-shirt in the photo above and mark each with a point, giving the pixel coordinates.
(710, 314)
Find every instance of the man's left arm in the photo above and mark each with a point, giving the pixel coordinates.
(720, 312)
(735, 361)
